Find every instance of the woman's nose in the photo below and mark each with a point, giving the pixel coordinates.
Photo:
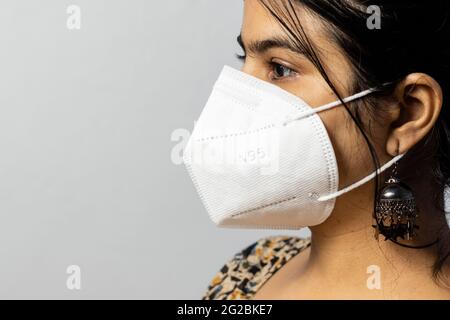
(252, 68)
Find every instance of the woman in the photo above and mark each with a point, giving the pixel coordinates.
(378, 223)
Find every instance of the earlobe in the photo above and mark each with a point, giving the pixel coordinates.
(420, 100)
(393, 147)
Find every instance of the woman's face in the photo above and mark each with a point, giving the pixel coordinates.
(270, 58)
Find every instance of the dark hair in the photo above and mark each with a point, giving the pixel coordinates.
(413, 37)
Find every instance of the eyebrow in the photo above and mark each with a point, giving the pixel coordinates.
(262, 46)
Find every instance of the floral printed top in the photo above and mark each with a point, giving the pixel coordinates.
(242, 276)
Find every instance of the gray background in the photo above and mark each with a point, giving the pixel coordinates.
(86, 176)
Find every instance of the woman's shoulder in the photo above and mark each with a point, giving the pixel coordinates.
(249, 269)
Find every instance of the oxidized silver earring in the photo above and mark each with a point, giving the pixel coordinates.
(396, 210)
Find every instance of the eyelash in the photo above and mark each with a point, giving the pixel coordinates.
(272, 65)
(241, 57)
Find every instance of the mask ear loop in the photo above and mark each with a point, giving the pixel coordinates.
(447, 204)
(328, 106)
(362, 181)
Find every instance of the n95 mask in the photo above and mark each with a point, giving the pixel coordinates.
(261, 158)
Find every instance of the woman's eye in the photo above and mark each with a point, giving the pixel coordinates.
(280, 71)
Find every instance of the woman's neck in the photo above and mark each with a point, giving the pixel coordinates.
(344, 247)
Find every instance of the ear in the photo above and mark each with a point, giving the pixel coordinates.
(419, 102)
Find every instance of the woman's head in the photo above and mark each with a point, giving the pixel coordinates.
(323, 50)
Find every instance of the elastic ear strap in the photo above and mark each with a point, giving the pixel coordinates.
(361, 182)
(328, 106)
(447, 204)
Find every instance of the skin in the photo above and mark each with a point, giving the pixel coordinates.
(343, 247)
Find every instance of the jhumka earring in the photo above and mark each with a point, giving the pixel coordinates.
(396, 210)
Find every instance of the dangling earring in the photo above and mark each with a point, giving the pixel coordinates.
(396, 210)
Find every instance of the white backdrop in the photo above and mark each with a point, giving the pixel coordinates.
(86, 171)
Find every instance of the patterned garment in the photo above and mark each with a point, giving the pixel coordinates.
(242, 276)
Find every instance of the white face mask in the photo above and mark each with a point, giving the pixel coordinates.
(261, 158)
